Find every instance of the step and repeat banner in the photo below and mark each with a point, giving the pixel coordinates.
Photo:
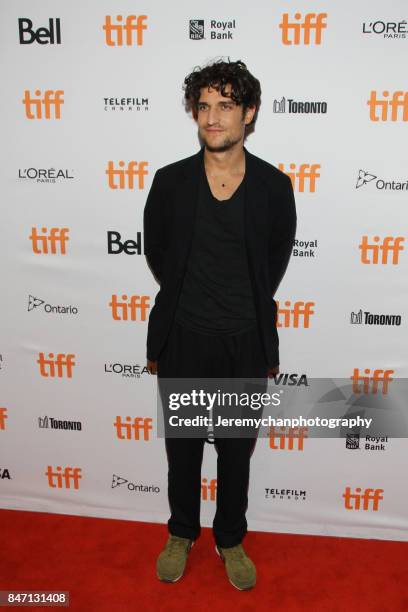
(92, 106)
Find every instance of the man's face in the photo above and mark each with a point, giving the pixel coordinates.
(220, 121)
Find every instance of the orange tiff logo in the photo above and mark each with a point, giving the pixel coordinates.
(119, 34)
(128, 308)
(378, 376)
(388, 109)
(370, 499)
(129, 429)
(294, 316)
(208, 490)
(63, 479)
(56, 367)
(390, 246)
(305, 176)
(48, 243)
(284, 439)
(312, 23)
(121, 178)
(3, 417)
(50, 102)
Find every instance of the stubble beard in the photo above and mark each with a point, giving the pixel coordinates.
(227, 144)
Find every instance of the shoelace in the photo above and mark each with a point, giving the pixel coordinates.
(174, 545)
(236, 554)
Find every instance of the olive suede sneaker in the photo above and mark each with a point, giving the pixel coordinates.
(172, 560)
(240, 569)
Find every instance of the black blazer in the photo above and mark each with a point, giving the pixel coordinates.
(270, 226)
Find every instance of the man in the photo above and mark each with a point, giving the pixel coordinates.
(218, 230)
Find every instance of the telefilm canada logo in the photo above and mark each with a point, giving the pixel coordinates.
(45, 175)
(386, 29)
(296, 107)
(364, 178)
(364, 317)
(124, 104)
(218, 29)
(126, 370)
(47, 422)
(119, 481)
(285, 494)
(370, 443)
(35, 302)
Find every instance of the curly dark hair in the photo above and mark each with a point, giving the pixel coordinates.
(245, 88)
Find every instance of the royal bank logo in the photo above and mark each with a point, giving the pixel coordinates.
(45, 175)
(369, 443)
(219, 30)
(368, 318)
(35, 302)
(304, 248)
(119, 481)
(196, 29)
(386, 29)
(295, 107)
(120, 105)
(364, 178)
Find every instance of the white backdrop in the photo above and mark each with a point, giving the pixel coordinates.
(69, 354)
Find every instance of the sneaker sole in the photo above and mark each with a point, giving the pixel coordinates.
(234, 585)
(178, 577)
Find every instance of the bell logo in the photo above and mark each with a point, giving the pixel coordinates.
(47, 244)
(114, 32)
(124, 179)
(306, 173)
(390, 245)
(301, 311)
(378, 376)
(208, 491)
(59, 366)
(284, 439)
(127, 309)
(63, 479)
(292, 31)
(398, 105)
(370, 497)
(129, 429)
(3, 417)
(51, 100)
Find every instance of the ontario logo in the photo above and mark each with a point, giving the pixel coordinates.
(365, 177)
(35, 302)
(119, 481)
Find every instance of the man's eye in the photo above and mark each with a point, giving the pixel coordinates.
(226, 106)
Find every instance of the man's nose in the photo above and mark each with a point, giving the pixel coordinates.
(213, 116)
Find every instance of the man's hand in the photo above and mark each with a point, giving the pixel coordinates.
(152, 366)
(273, 371)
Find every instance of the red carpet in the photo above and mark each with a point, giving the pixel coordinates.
(109, 565)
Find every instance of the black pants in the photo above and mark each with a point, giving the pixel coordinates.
(189, 354)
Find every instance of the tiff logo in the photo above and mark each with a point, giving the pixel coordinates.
(208, 491)
(300, 312)
(127, 309)
(51, 101)
(379, 376)
(397, 106)
(370, 499)
(119, 34)
(129, 429)
(285, 438)
(44, 245)
(119, 178)
(3, 417)
(307, 174)
(390, 246)
(62, 479)
(59, 366)
(312, 23)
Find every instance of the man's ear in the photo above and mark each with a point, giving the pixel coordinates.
(249, 114)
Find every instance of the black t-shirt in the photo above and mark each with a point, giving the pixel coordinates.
(216, 296)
